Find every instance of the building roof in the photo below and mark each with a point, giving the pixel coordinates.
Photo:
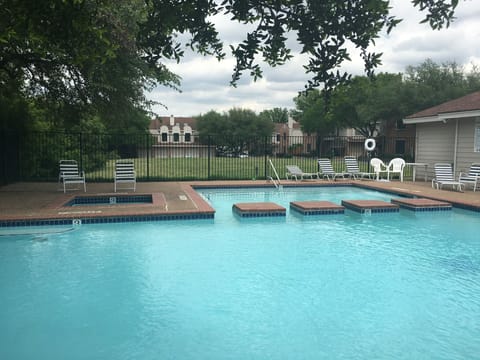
(165, 120)
(465, 106)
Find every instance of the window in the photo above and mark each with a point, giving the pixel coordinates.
(399, 146)
(176, 137)
(477, 136)
(164, 137)
(278, 137)
(188, 137)
(400, 125)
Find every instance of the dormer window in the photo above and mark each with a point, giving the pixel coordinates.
(187, 133)
(176, 133)
(164, 133)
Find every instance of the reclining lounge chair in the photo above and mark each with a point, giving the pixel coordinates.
(472, 177)
(293, 171)
(326, 170)
(444, 176)
(353, 169)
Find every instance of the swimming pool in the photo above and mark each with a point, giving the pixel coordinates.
(402, 285)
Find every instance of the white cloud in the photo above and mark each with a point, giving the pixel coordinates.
(205, 81)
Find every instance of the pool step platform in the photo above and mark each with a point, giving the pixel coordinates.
(370, 206)
(422, 204)
(316, 208)
(269, 209)
(259, 209)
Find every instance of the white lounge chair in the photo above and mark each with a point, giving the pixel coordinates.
(70, 174)
(125, 174)
(378, 167)
(472, 177)
(293, 171)
(444, 176)
(353, 169)
(396, 166)
(326, 170)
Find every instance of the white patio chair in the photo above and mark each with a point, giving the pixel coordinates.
(293, 171)
(70, 174)
(125, 174)
(472, 177)
(378, 167)
(396, 166)
(444, 176)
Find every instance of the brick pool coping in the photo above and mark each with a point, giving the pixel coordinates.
(258, 209)
(374, 206)
(422, 204)
(316, 207)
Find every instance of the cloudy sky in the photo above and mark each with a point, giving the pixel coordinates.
(205, 81)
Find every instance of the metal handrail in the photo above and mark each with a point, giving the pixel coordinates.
(278, 186)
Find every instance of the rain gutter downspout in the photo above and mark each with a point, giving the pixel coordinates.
(455, 148)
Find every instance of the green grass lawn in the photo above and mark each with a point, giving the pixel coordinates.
(158, 169)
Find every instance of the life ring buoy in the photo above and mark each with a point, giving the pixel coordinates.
(370, 144)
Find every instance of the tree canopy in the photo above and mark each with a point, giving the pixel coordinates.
(233, 130)
(368, 103)
(76, 60)
(275, 115)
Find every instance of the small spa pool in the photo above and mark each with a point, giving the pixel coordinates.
(109, 200)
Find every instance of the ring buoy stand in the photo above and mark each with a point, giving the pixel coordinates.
(370, 144)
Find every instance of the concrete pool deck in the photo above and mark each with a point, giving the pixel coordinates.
(39, 201)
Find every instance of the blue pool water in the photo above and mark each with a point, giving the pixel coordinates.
(386, 286)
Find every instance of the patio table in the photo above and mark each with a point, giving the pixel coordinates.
(414, 167)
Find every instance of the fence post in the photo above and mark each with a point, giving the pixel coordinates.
(265, 156)
(148, 146)
(208, 157)
(80, 144)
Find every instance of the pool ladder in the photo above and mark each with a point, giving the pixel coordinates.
(276, 181)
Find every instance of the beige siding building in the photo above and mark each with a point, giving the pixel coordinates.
(448, 133)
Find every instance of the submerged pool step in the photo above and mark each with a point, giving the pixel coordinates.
(317, 207)
(268, 209)
(422, 204)
(370, 206)
(258, 209)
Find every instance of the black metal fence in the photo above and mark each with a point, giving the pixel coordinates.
(34, 156)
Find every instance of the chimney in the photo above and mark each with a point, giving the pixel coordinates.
(290, 122)
(172, 120)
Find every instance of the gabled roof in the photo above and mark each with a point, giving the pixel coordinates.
(165, 120)
(465, 106)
